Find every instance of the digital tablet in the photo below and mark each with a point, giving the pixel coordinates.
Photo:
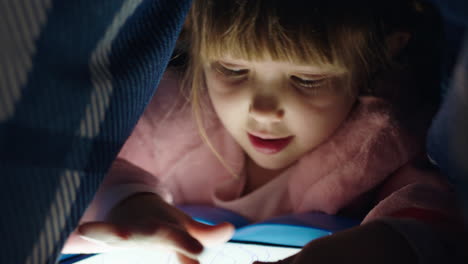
(229, 253)
(270, 240)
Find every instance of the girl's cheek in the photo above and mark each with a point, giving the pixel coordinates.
(317, 103)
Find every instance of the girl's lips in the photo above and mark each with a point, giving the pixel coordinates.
(269, 146)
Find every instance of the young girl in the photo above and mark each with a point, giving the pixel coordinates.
(281, 96)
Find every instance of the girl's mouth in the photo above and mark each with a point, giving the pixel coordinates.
(269, 146)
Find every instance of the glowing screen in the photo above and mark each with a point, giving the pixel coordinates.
(229, 253)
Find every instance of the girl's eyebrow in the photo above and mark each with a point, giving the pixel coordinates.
(318, 71)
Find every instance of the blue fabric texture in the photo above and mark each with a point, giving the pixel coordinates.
(74, 78)
(447, 141)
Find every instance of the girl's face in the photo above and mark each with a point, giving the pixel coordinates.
(277, 111)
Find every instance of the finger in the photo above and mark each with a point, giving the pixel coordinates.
(177, 238)
(168, 235)
(103, 232)
(183, 259)
(210, 235)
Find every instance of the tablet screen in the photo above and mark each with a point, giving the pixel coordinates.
(229, 253)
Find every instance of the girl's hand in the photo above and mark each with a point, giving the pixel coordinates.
(374, 242)
(146, 221)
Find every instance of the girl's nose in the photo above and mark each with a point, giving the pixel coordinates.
(265, 109)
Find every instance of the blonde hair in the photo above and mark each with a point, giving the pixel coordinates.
(342, 34)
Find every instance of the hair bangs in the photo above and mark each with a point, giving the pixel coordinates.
(225, 28)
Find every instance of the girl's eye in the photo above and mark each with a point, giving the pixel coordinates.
(309, 85)
(228, 71)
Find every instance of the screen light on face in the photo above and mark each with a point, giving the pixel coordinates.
(229, 253)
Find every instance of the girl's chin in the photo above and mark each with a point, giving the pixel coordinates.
(271, 163)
